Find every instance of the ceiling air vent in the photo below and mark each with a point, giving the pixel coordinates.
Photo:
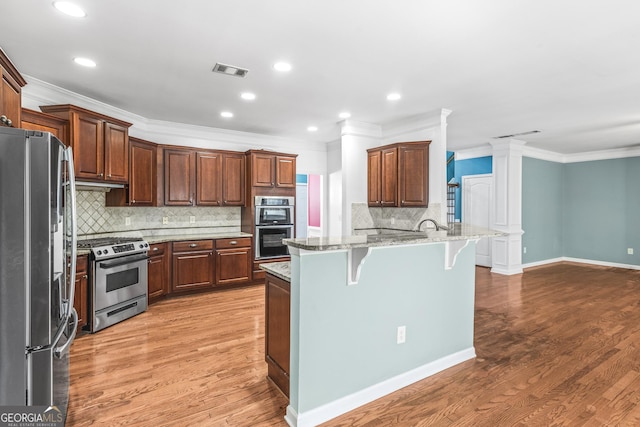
(517, 134)
(230, 70)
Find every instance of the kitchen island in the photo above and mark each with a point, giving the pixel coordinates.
(370, 314)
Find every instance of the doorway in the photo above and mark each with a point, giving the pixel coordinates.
(477, 195)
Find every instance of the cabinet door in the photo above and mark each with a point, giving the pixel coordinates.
(158, 276)
(116, 152)
(35, 120)
(142, 179)
(389, 173)
(233, 266)
(374, 177)
(80, 302)
(192, 270)
(414, 175)
(285, 172)
(87, 140)
(209, 179)
(262, 170)
(179, 177)
(10, 99)
(277, 330)
(233, 179)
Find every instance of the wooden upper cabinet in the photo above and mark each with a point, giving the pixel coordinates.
(142, 173)
(209, 179)
(233, 179)
(272, 170)
(285, 171)
(398, 175)
(10, 93)
(100, 143)
(413, 174)
(179, 177)
(263, 170)
(35, 120)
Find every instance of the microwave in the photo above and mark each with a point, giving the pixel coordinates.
(272, 210)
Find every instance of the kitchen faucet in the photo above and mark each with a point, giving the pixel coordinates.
(438, 226)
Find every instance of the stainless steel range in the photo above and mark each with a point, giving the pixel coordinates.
(118, 278)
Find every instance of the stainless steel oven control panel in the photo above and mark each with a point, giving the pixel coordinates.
(111, 251)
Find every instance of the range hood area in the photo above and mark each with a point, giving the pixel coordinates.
(104, 187)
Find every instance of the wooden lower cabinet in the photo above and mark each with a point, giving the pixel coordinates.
(192, 265)
(233, 261)
(258, 273)
(158, 272)
(81, 298)
(277, 330)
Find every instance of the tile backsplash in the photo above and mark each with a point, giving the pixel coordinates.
(96, 218)
(362, 216)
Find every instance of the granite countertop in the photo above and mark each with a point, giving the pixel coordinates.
(390, 237)
(205, 236)
(278, 269)
(151, 239)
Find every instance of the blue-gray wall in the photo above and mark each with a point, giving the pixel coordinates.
(596, 202)
(542, 209)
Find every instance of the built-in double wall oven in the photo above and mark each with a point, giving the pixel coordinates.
(274, 222)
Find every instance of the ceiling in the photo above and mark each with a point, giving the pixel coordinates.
(568, 69)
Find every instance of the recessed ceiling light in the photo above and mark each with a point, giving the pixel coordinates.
(248, 96)
(226, 114)
(312, 128)
(393, 96)
(85, 62)
(69, 9)
(344, 115)
(282, 66)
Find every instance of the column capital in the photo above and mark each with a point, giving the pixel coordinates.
(508, 145)
(355, 128)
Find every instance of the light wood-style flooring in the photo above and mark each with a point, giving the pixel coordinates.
(556, 346)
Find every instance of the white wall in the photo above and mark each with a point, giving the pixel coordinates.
(333, 193)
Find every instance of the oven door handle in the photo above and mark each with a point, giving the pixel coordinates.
(119, 262)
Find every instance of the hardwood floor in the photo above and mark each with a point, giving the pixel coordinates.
(558, 345)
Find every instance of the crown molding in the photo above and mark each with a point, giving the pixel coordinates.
(38, 93)
(355, 128)
(475, 152)
(417, 123)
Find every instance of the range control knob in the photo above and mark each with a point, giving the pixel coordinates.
(141, 246)
(99, 252)
(106, 251)
(146, 245)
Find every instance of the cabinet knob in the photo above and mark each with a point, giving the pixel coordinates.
(133, 201)
(193, 245)
(155, 249)
(233, 242)
(100, 175)
(85, 276)
(109, 176)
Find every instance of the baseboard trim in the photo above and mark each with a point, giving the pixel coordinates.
(581, 261)
(348, 403)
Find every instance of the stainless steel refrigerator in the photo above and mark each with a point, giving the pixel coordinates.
(37, 268)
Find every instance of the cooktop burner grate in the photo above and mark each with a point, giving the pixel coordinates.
(105, 241)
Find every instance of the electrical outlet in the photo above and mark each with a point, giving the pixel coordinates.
(165, 220)
(393, 221)
(127, 220)
(524, 250)
(630, 251)
(192, 219)
(402, 334)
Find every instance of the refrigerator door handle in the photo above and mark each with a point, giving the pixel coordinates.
(74, 232)
(61, 351)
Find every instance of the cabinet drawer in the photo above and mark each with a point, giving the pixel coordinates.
(156, 249)
(81, 264)
(244, 242)
(192, 245)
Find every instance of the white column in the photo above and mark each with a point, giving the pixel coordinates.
(507, 205)
(357, 137)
